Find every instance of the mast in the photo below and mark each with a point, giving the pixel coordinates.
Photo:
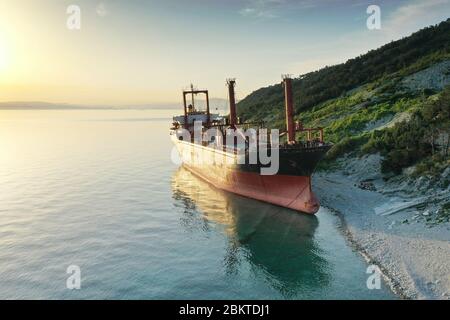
(185, 111)
(289, 106)
(192, 97)
(233, 120)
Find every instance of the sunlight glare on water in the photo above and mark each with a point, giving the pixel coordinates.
(97, 189)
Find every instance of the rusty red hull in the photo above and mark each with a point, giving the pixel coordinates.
(292, 192)
(290, 187)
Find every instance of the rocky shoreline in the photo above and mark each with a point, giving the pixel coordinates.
(391, 224)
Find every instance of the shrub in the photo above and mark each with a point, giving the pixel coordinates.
(347, 145)
(414, 141)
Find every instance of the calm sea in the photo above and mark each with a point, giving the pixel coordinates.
(97, 190)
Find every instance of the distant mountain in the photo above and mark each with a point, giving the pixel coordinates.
(216, 105)
(35, 105)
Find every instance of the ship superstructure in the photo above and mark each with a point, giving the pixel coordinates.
(221, 151)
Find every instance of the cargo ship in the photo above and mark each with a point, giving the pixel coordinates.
(225, 161)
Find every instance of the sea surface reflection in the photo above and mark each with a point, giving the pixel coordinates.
(98, 189)
(278, 243)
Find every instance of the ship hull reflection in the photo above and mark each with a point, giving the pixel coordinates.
(277, 242)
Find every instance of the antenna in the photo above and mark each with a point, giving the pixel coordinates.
(230, 81)
(192, 97)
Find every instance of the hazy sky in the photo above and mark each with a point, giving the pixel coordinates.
(136, 52)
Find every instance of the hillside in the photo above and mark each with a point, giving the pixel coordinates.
(363, 103)
(387, 113)
(392, 61)
(388, 174)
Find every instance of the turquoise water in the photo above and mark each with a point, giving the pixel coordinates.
(97, 189)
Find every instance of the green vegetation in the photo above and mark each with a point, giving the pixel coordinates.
(424, 139)
(348, 120)
(347, 145)
(442, 215)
